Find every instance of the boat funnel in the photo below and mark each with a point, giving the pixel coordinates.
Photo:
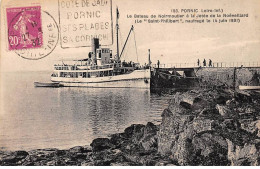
(95, 45)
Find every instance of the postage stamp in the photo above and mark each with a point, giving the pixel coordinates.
(24, 26)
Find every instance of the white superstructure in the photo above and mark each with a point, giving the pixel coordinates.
(100, 69)
(109, 75)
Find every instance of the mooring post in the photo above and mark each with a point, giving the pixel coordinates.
(234, 78)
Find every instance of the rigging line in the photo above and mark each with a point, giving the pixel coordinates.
(135, 47)
(114, 32)
(121, 40)
(120, 34)
(126, 51)
(127, 48)
(124, 54)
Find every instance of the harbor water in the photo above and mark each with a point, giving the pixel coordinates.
(33, 118)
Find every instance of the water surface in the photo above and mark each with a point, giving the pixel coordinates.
(34, 118)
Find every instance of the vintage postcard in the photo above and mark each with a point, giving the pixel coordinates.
(130, 83)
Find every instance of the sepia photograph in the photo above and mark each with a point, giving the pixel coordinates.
(130, 83)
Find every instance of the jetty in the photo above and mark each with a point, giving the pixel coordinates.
(186, 75)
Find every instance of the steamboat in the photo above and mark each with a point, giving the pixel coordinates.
(101, 69)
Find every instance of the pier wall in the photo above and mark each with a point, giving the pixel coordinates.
(231, 77)
(205, 77)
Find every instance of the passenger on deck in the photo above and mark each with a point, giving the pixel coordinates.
(204, 63)
(198, 62)
(210, 63)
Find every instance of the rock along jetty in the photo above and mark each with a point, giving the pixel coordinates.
(200, 127)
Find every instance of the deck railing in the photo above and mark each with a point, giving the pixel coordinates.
(102, 67)
(86, 67)
(214, 64)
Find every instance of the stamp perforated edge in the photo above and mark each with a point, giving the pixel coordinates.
(6, 27)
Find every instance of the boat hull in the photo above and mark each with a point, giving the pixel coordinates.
(40, 84)
(136, 79)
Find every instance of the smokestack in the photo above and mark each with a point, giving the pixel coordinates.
(95, 46)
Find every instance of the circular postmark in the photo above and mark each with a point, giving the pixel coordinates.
(50, 35)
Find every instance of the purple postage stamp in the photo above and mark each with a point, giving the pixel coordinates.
(24, 27)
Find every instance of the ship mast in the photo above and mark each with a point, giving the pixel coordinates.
(117, 40)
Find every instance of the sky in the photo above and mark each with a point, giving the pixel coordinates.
(169, 43)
